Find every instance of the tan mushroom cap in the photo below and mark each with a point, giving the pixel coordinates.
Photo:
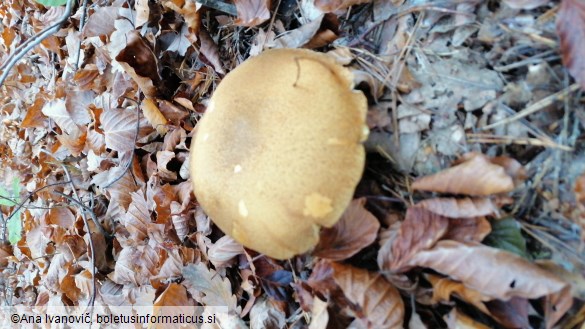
(279, 152)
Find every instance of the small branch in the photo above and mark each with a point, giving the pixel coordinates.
(33, 42)
(90, 241)
(536, 106)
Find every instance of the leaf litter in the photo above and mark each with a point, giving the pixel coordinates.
(470, 213)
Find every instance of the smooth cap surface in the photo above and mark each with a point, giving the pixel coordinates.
(279, 152)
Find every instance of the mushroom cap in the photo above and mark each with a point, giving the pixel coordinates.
(279, 152)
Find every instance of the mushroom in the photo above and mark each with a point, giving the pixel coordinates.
(278, 153)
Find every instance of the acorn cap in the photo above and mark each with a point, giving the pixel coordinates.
(279, 152)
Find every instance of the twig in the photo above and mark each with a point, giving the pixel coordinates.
(536, 106)
(90, 241)
(87, 209)
(496, 139)
(81, 26)
(21, 204)
(33, 42)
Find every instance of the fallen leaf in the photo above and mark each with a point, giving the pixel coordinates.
(571, 30)
(174, 295)
(493, 272)
(443, 288)
(459, 208)
(419, 231)
(379, 302)
(57, 111)
(101, 22)
(223, 251)
(472, 229)
(140, 62)
(210, 51)
(135, 266)
(154, 116)
(356, 229)
(476, 175)
(120, 129)
(208, 287)
(137, 218)
(265, 314)
(252, 12)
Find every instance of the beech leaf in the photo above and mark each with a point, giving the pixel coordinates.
(356, 230)
(208, 287)
(476, 175)
(420, 230)
(120, 129)
(252, 12)
(380, 303)
(493, 272)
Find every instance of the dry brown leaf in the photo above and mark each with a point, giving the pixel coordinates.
(252, 12)
(137, 217)
(208, 287)
(174, 295)
(34, 117)
(223, 251)
(140, 62)
(172, 266)
(210, 51)
(135, 266)
(119, 127)
(512, 313)
(317, 33)
(444, 287)
(101, 22)
(571, 30)
(493, 272)
(57, 111)
(154, 116)
(419, 231)
(473, 229)
(162, 160)
(476, 175)
(188, 9)
(75, 144)
(378, 300)
(333, 5)
(266, 314)
(459, 208)
(180, 221)
(356, 230)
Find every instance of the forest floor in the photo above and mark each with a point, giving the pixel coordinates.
(470, 212)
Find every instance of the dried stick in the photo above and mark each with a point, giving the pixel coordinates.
(536, 106)
(33, 42)
(90, 241)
